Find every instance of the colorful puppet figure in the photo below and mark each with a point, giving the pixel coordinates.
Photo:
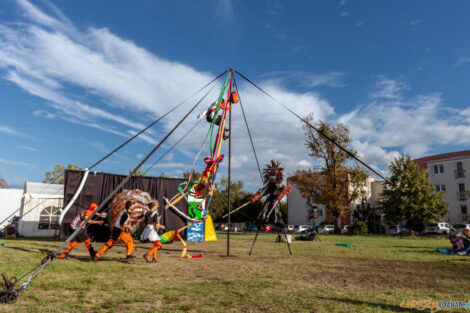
(273, 178)
(152, 221)
(84, 235)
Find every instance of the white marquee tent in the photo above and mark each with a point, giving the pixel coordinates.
(10, 202)
(43, 204)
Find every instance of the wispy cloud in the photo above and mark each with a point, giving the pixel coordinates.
(10, 131)
(307, 80)
(44, 114)
(32, 149)
(462, 60)
(344, 14)
(16, 163)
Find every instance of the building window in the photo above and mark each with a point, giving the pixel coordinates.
(461, 193)
(441, 188)
(463, 211)
(49, 218)
(438, 169)
(459, 172)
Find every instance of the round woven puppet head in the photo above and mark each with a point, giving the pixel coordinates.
(273, 173)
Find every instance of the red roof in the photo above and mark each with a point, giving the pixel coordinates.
(423, 161)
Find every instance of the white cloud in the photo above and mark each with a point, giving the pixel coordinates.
(393, 124)
(462, 60)
(307, 80)
(345, 14)
(140, 156)
(9, 162)
(10, 131)
(44, 114)
(30, 148)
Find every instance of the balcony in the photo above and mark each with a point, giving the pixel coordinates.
(459, 173)
(462, 196)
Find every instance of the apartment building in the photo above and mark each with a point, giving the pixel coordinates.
(450, 173)
(298, 211)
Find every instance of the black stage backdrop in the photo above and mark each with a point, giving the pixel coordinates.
(99, 185)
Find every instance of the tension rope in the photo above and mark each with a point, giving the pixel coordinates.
(248, 129)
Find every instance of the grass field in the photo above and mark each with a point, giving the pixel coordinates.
(376, 276)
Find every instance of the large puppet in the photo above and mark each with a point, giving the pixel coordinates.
(273, 179)
(274, 190)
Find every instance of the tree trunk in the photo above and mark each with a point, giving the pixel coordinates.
(338, 225)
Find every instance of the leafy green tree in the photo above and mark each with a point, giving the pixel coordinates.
(3, 183)
(409, 196)
(140, 172)
(332, 183)
(57, 175)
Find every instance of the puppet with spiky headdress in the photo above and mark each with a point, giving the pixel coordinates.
(273, 178)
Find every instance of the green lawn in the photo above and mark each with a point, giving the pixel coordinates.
(376, 276)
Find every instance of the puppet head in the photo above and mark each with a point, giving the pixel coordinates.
(273, 173)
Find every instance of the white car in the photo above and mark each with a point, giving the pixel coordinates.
(289, 228)
(437, 228)
(460, 227)
(397, 230)
(301, 228)
(326, 229)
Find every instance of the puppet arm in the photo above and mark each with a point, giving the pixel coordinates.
(284, 191)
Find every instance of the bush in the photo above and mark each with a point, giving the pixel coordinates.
(358, 228)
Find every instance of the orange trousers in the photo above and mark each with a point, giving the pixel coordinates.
(153, 252)
(124, 237)
(73, 244)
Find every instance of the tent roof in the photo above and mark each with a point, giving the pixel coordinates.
(43, 189)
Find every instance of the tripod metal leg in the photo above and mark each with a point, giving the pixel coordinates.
(287, 241)
(256, 236)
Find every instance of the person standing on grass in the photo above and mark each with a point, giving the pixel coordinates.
(84, 235)
(120, 231)
(151, 220)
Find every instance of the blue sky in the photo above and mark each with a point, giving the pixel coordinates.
(79, 77)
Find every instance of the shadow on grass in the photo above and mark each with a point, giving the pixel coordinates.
(394, 308)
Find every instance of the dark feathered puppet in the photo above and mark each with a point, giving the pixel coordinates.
(273, 178)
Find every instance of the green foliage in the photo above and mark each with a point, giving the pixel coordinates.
(3, 183)
(358, 228)
(57, 175)
(139, 172)
(238, 196)
(327, 223)
(333, 184)
(409, 196)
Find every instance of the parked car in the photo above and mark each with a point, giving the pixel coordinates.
(273, 228)
(301, 228)
(289, 228)
(252, 228)
(460, 227)
(397, 230)
(345, 229)
(437, 228)
(326, 229)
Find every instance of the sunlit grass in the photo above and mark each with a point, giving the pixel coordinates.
(375, 276)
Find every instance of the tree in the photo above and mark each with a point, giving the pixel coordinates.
(370, 215)
(409, 196)
(332, 183)
(57, 175)
(219, 203)
(3, 183)
(139, 172)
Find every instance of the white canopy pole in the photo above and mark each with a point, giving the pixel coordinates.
(75, 196)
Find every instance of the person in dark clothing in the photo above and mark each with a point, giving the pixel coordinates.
(152, 222)
(120, 231)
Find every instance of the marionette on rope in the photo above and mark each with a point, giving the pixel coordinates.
(274, 190)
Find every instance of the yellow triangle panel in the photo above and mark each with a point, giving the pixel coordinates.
(209, 231)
